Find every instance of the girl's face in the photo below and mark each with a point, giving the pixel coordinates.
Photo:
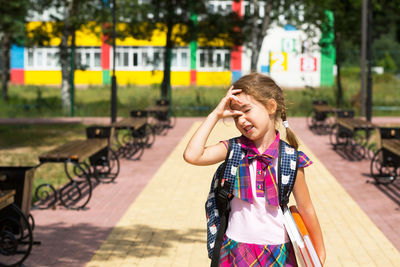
(257, 121)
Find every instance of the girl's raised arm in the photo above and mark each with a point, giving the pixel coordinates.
(196, 151)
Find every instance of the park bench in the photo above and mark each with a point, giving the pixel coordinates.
(351, 135)
(83, 159)
(385, 164)
(16, 222)
(129, 134)
(318, 120)
(162, 116)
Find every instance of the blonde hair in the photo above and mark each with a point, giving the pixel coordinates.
(263, 88)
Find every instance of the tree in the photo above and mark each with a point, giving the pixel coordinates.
(175, 19)
(260, 15)
(67, 17)
(12, 31)
(346, 27)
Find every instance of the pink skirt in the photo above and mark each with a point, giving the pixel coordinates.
(242, 254)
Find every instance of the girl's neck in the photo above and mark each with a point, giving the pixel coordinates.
(263, 143)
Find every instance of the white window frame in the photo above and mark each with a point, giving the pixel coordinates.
(212, 66)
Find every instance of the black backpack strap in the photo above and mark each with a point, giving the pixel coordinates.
(222, 198)
(286, 190)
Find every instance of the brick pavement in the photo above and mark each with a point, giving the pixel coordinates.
(70, 238)
(154, 215)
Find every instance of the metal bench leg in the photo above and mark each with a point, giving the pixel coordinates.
(16, 238)
(78, 191)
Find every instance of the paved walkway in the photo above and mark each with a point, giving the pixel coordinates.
(154, 214)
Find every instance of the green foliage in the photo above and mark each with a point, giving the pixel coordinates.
(12, 19)
(387, 63)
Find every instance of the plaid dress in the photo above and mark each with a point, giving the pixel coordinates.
(242, 254)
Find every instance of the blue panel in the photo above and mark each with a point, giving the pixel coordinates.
(236, 74)
(17, 57)
(289, 27)
(265, 69)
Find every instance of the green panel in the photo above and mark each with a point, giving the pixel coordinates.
(193, 53)
(193, 45)
(106, 77)
(327, 63)
(328, 52)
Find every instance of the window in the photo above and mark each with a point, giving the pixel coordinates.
(126, 59)
(145, 59)
(135, 59)
(97, 59)
(227, 61)
(202, 60)
(219, 60)
(184, 59)
(30, 58)
(174, 59)
(48, 58)
(214, 60)
(39, 59)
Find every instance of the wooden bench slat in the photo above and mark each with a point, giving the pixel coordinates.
(75, 150)
(134, 123)
(323, 108)
(6, 198)
(393, 145)
(355, 123)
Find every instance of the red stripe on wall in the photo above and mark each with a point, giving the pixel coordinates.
(237, 7)
(17, 76)
(105, 53)
(193, 75)
(236, 54)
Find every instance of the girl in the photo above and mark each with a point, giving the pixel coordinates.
(256, 235)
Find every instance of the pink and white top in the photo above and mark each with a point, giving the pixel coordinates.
(257, 223)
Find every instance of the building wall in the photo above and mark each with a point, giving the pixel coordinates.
(284, 55)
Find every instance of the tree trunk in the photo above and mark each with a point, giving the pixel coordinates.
(339, 95)
(166, 83)
(255, 36)
(5, 75)
(259, 31)
(64, 62)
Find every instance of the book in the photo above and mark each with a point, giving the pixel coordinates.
(300, 238)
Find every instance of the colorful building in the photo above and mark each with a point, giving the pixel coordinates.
(282, 55)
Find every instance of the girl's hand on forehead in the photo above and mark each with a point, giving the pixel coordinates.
(224, 109)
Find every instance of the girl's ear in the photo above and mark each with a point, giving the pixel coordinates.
(271, 106)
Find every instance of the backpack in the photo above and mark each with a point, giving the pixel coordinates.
(217, 205)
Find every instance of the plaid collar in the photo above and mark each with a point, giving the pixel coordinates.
(265, 173)
(272, 151)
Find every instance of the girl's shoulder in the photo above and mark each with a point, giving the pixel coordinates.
(304, 160)
(235, 140)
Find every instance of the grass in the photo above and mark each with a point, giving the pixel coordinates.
(21, 145)
(94, 101)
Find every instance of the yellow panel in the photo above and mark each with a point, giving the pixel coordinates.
(43, 77)
(214, 78)
(139, 77)
(158, 38)
(180, 78)
(88, 77)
